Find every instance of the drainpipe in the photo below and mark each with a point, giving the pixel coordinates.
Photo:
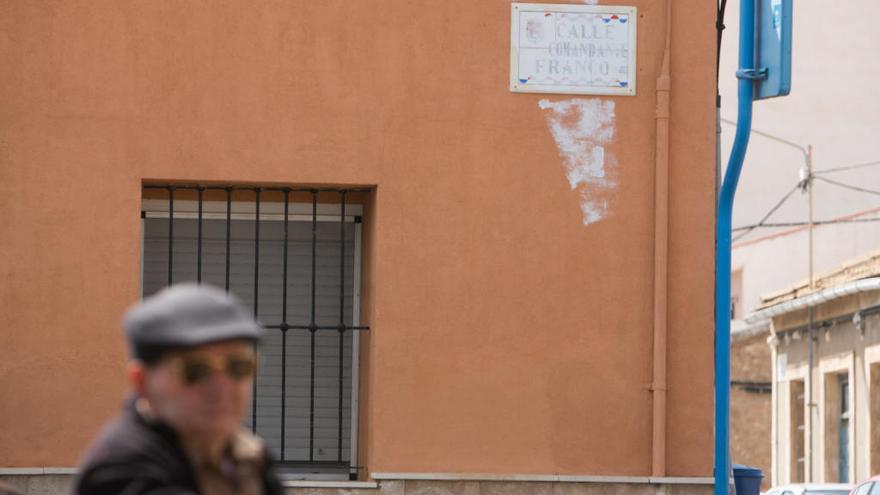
(747, 74)
(661, 258)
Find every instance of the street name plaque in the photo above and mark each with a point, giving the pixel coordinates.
(573, 49)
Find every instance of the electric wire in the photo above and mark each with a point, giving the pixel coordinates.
(848, 186)
(848, 167)
(746, 229)
(750, 228)
(800, 224)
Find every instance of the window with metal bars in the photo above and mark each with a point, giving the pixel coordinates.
(293, 256)
(843, 429)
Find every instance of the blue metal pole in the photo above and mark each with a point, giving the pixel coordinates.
(745, 96)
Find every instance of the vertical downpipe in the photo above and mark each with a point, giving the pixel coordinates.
(745, 95)
(661, 258)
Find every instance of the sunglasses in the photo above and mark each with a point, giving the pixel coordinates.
(194, 370)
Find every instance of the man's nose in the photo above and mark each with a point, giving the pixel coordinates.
(218, 382)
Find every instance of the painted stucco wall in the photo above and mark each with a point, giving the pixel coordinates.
(508, 334)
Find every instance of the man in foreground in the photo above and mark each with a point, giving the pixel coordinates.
(191, 374)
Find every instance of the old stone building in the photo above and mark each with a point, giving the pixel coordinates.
(826, 375)
(750, 399)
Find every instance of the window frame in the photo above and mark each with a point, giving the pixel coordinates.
(844, 421)
(274, 211)
(872, 361)
(834, 365)
(790, 374)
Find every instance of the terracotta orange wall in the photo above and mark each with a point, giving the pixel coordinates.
(506, 335)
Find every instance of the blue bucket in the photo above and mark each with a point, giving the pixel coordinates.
(747, 480)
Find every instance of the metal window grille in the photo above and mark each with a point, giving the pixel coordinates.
(292, 255)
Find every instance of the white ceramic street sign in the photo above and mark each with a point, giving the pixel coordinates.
(573, 49)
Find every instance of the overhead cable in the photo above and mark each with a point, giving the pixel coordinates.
(800, 224)
(769, 213)
(848, 186)
(848, 167)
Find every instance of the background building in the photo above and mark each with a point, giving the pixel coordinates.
(750, 399)
(835, 129)
(826, 399)
(482, 315)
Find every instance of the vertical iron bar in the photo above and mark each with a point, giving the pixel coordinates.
(256, 296)
(228, 231)
(312, 329)
(341, 316)
(170, 234)
(284, 327)
(199, 254)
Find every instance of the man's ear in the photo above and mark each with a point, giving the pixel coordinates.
(136, 375)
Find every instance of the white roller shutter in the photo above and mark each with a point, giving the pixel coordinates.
(269, 304)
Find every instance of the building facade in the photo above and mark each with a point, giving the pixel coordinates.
(750, 400)
(816, 126)
(455, 299)
(826, 398)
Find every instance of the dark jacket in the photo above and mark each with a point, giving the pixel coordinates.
(133, 456)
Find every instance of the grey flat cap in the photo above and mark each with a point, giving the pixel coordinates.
(186, 315)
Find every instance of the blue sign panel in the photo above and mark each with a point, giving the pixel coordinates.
(773, 47)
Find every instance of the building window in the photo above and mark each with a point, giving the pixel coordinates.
(736, 307)
(797, 433)
(836, 427)
(843, 429)
(293, 256)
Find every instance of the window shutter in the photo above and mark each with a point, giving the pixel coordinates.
(297, 396)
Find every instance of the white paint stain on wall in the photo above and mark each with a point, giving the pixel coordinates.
(591, 2)
(582, 128)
